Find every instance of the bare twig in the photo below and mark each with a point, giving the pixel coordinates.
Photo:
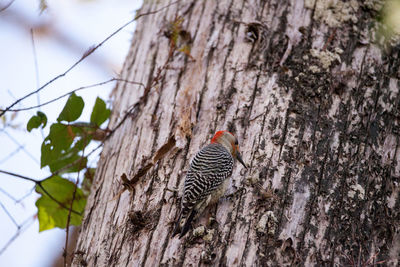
(75, 90)
(39, 183)
(20, 176)
(129, 184)
(6, 6)
(85, 55)
(15, 98)
(155, 11)
(55, 200)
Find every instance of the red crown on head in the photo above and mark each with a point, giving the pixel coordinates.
(217, 135)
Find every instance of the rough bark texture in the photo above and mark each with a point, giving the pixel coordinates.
(316, 108)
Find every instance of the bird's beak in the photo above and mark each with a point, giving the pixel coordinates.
(239, 158)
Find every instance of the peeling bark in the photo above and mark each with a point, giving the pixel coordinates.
(317, 115)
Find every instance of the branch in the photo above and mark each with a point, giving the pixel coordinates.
(20, 176)
(55, 200)
(85, 55)
(39, 183)
(129, 184)
(155, 11)
(6, 6)
(75, 90)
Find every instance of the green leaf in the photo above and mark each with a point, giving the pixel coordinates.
(58, 141)
(48, 154)
(50, 213)
(61, 136)
(37, 120)
(62, 146)
(100, 112)
(72, 109)
(76, 161)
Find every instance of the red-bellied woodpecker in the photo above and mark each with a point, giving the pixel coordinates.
(207, 178)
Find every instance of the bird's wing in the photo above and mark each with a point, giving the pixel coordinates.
(208, 169)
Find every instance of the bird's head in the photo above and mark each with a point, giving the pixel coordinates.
(229, 141)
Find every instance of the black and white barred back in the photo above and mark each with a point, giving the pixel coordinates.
(208, 169)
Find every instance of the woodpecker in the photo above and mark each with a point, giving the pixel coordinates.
(207, 178)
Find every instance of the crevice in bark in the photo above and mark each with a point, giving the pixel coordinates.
(284, 133)
(334, 214)
(226, 100)
(253, 97)
(205, 86)
(277, 41)
(226, 16)
(286, 197)
(134, 157)
(165, 242)
(209, 58)
(307, 42)
(118, 249)
(314, 129)
(299, 153)
(232, 225)
(230, 46)
(311, 204)
(185, 153)
(88, 215)
(247, 246)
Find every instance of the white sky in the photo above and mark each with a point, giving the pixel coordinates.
(79, 24)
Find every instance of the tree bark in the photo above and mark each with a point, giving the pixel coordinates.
(315, 105)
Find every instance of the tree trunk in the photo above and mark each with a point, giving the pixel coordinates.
(315, 105)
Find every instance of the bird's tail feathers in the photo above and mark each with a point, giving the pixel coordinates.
(188, 222)
(183, 224)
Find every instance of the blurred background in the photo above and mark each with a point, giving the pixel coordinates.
(38, 41)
